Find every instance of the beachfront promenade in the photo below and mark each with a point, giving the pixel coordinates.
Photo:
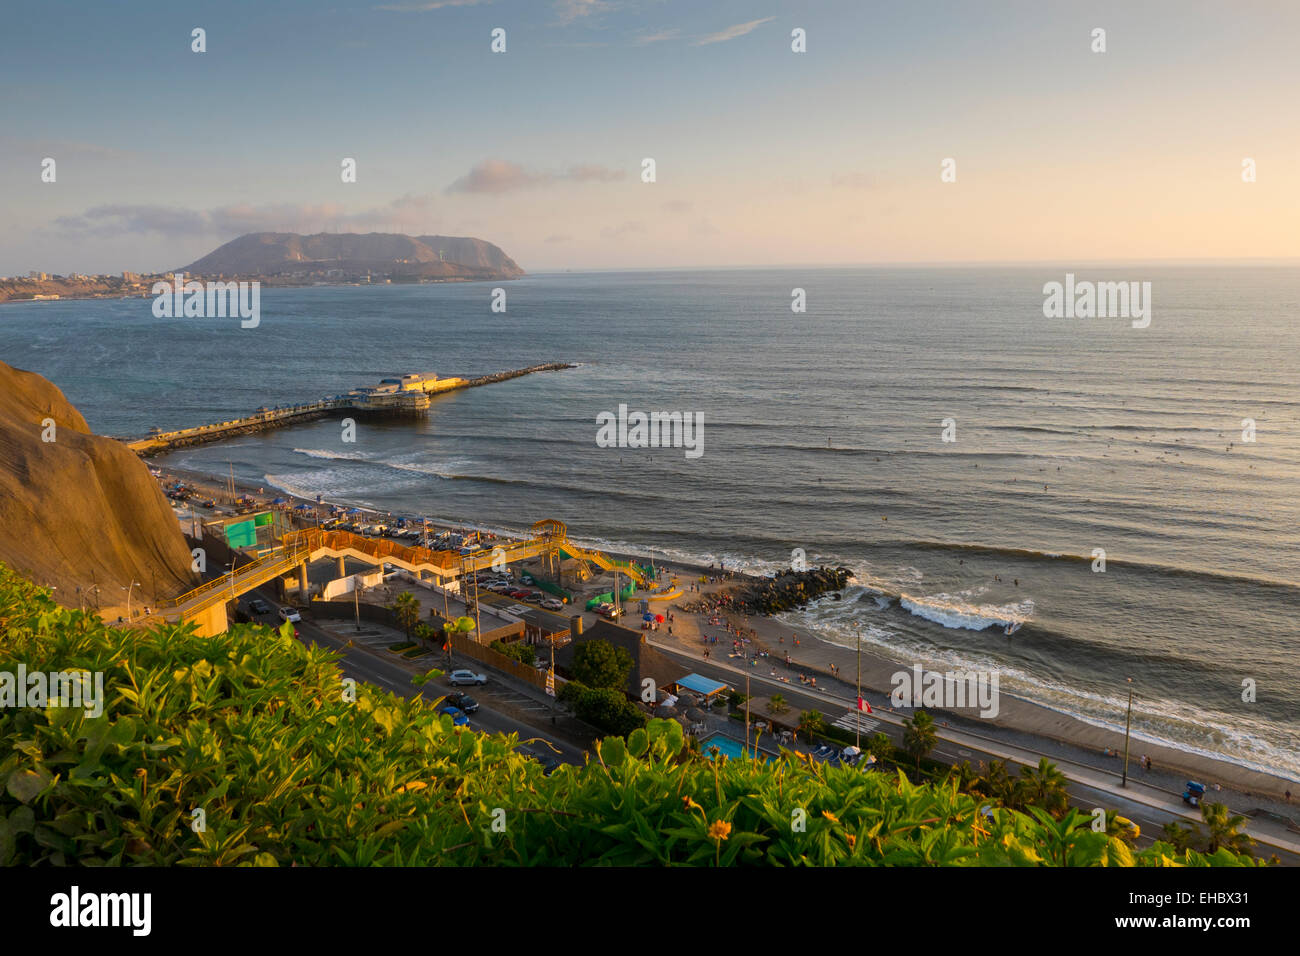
(406, 395)
(1266, 832)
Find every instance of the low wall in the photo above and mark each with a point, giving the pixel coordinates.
(461, 644)
(347, 585)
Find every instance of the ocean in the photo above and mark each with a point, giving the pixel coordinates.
(823, 431)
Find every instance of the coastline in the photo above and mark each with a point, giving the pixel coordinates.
(1020, 721)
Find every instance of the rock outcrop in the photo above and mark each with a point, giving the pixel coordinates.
(80, 510)
(792, 589)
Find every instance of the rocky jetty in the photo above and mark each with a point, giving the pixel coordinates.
(792, 589)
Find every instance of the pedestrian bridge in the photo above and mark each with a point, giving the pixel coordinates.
(205, 606)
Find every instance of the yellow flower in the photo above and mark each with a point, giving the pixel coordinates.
(830, 816)
(853, 841)
(690, 804)
(719, 830)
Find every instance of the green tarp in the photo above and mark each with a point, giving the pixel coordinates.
(241, 534)
(263, 519)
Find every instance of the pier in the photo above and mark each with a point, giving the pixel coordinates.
(406, 395)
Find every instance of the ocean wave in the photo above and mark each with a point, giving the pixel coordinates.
(334, 455)
(955, 612)
(1150, 567)
(1237, 738)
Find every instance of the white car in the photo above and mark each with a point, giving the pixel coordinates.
(553, 604)
(456, 678)
(290, 614)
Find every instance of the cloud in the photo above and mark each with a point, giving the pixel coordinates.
(739, 30)
(409, 213)
(593, 174)
(704, 228)
(558, 239)
(500, 176)
(494, 176)
(426, 7)
(622, 229)
(678, 206)
(659, 37)
(570, 10)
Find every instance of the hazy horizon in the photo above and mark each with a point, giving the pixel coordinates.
(764, 156)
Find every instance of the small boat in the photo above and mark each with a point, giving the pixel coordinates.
(1013, 627)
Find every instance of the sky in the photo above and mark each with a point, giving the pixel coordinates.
(762, 155)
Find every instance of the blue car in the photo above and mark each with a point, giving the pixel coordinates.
(458, 717)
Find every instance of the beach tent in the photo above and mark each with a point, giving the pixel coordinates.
(280, 501)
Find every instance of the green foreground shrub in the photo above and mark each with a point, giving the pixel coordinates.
(257, 731)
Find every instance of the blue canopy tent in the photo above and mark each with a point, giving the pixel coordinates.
(706, 687)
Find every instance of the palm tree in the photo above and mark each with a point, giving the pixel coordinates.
(1224, 829)
(407, 609)
(965, 776)
(1179, 836)
(777, 705)
(879, 746)
(999, 785)
(811, 722)
(919, 736)
(1045, 786)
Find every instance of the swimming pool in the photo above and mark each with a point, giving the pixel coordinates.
(728, 747)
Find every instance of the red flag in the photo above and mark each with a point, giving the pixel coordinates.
(863, 705)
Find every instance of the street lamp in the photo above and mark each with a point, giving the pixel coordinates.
(1128, 720)
(134, 584)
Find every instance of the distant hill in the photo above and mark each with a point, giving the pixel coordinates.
(380, 254)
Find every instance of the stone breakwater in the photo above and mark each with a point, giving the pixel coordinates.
(790, 590)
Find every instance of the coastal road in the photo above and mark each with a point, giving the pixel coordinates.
(954, 746)
(364, 665)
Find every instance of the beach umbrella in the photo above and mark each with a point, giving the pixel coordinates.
(665, 710)
(280, 501)
(695, 714)
(354, 511)
(647, 617)
(303, 507)
(659, 618)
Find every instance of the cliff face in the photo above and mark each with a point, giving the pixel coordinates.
(81, 510)
(271, 253)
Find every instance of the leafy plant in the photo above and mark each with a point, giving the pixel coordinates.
(601, 664)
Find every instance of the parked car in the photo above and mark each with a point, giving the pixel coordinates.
(258, 606)
(498, 586)
(553, 604)
(457, 715)
(463, 701)
(608, 610)
(458, 677)
(519, 594)
(290, 614)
